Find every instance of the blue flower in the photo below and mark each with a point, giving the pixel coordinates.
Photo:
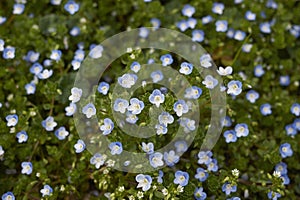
(285, 179)
(225, 71)
(181, 146)
(135, 67)
(2, 19)
(71, 7)
(55, 55)
(191, 22)
(282, 168)
(230, 136)
(8, 196)
(45, 74)
(155, 23)
(205, 157)
(89, 110)
(18, 8)
(103, 88)
(144, 32)
(205, 60)
(160, 176)
(252, 96)
(131, 118)
(296, 124)
(247, 47)
(71, 109)
(239, 35)
(218, 8)
(46, 191)
(186, 68)
(210, 82)
(265, 109)
(136, 106)
(265, 27)
(188, 10)
(115, 148)
(30, 88)
(148, 148)
(161, 129)
(26, 168)
(271, 4)
(181, 178)
(1, 151)
(193, 92)
(127, 80)
(295, 109)
(198, 35)
(206, 19)
(79, 146)
(284, 80)
(36, 68)
(221, 25)
(182, 25)
(180, 107)
(166, 59)
(157, 76)
(8, 52)
(61, 133)
(285, 150)
(226, 121)
(171, 158)
(75, 31)
(156, 159)
(199, 194)
(98, 160)
(49, 123)
(22, 136)
(76, 64)
(290, 130)
(187, 124)
(79, 55)
(250, 16)
(234, 87)
(121, 105)
(32, 56)
(156, 97)
(165, 118)
(228, 188)
(258, 71)
(241, 130)
(201, 174)
(47, 62)
(55, 2)
(144, 181)
(12, 120)
(213, 165)
(2, 43)
(273, 195)
(107, 127)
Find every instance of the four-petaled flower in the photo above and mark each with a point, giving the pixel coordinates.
(26, 168)
(79, 146)
(156, 97)
(46, 191)
(144, 181)
(49, 124)
(89, 110)
(181, 178)
(116, 148)
(107, 127)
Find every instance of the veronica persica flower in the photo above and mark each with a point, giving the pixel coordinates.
(2, 43)
(46, 190)
(127, 80)
(213, 165)
(143, 32)
(182, 25)
(30, 88)
(55, 2)
(12, 120)
(285, 150)
(98, 160)
(218, 8)
(135, 67)
(116, 148)
(186, 68)
(284, 80)
(198, 35)
(71, 7)
(79, 146)
(250, 16)
(22, 136)
(46, 73)
(165, 118)
(210, 82)
(18, 8)
(171, 158)
(188, 10)
(187, 124)
(131, 118)
(121, 105)
(241, 130)
(56, 55)
(89, 110)
(148, 148)
(265, 27)
(161, 129)
(180, 107)
(201, 174)
(157, 76)
(206, 19)
(228, 188)
(239, 35)
(71, 109)
(193, 92)
(191, 22)
(156, 159)
(136, 106)
(205, 61)
(181, 146)
(144, 181)
(8, 196)
(265, 109)
(155, 23)
(107, 127)
(181, 178)
(156, 97)
(32, 56)
(103, 88)
(290, 130)
(1, 151)
(26, 168)
(247, 48)
(205, 157)
(273, 195)
(230, 136)
(221, 25)
(252, 96)
(166, 59)
(76, 64)
(296, 124)
(61, 133)
(96, 51)
(199, 194)
(282, 168)
(75, 31)
(258, 71)
(234, 87)
(225, 71)
(9, 52)
(49, 123)
(295, 109)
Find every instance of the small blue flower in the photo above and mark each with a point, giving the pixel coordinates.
(205, 157)
(213, 165)
(191, 22)
(144, 181)
(284, 80)
(250, 16)
(55, 2)
(201, 174)
(228, 188)
(166, 59)
(79, 146)
(135, 67)
(22, 136)
(265, 109)
(285, 150)
(107, 127)
(1, 151)
(225, 71)
(234, 87)
(282, 168)
(26, 168)
(131, 118)
(258, 71)
(207, 19)
(161, 129)
(2, 19)
(89, 110)
(103, 88)
(186, 68)
(295, 109)
(32, 56)
(171, 158)
(210, 82)
(76, 64)
(79, 55)
(181, 178)
(46, 191)
(36, 68)
(61, 133)
(96, 51)
(239, 35)
(18, 8)
(296, 124)
(165, 118)
(75, 31)
(218, 8)
(252, 96)
(98, 160)
(265, 27)
(2, 43)
(188, 10)
(71, 109)
(8, 196)
(273, 195)
(121, 105)
(136, 106)
(156, 159)
(45, 74)
(143, 32)
(230, 136)
(241, 130)
(8, 52)
(290, 130)
(12, 120)
(285, 179)
(187, 124)
(182, 25)
(271, 4)
(71, 7)
(193, 92)
(56, 55)
(198, 35)
(127, 80)
(199, 194)
(155, 23)
(157, 76)
(160, 176)
(205, 60)
(148, 148)
(180, 107)
(115, 148)
(47, 62)
(247, 47)
(156, 97)
(49, 123)
(227, 122)
(221, 25)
